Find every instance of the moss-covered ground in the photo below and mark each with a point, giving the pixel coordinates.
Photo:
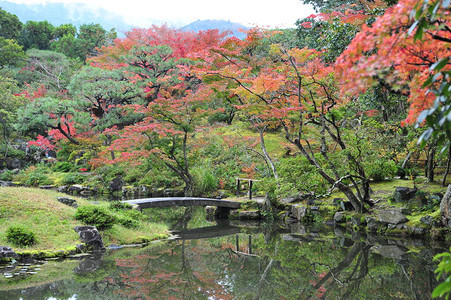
(52, 222)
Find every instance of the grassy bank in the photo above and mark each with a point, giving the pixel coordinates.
(52, 222)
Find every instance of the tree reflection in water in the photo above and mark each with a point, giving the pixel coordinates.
(307, 268)
(256, 263)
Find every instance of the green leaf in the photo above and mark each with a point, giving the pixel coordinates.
(418, 13)
(419, 34)
(438, 65)
(427, 82)
(440, 255)
(433, 9)
(442, 289)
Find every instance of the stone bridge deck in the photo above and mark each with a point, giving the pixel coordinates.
(182, 201)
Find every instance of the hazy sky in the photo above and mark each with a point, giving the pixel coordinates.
(273, 13)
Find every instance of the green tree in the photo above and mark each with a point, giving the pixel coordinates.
(10, 25)
(64, 40)
(91, 37)
(11, 53)
(103, 93)
(154, 66)
(63, 30)
(36, 35)
(51, 69)
(49, 115)
(8, 108)
(66, 45)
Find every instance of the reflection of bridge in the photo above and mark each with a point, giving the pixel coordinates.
(182, 201)
(206, 232)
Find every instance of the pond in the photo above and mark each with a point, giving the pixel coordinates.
(238, 260)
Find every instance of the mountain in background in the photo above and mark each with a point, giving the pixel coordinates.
(200, 25)
(78, 13)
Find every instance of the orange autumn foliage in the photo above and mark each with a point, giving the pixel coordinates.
(387, 51)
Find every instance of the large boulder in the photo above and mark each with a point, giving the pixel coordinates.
(145, 190)
(298, 228)
(339, 217)
(62, 189)
(68, 201)
(7, 252)
(288, 200)
(391, 216)
(445, 207)
(249, 214)
(116, 184)
(298, 211)
(90, 236)
(15, 163)
(390, 251)
(6, 183)
(343, 205)
(297, 198)
(76, 188)
(403, 194)
(130, 192)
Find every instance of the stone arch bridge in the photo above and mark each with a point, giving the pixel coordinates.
(183, 201)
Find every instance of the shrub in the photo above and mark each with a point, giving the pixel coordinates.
(297, 175)
(15, 153)
(118, 206)
(381, 168)
(20, 236)
(96, 216)
(204, 179)
(127, 222)
(430, 202)
(34, 176)
(7, 175)
(73, 178)
(62, 166)
(36, 179)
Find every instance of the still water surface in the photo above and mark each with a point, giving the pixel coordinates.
(238, 261)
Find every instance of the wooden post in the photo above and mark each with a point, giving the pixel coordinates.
(250, 189)
(250, 244)
(237, 243)
(238, 187)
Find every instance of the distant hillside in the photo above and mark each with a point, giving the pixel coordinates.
(217, 24)
(79, 13)
(62, 13)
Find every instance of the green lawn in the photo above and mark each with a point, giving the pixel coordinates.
(53, 222)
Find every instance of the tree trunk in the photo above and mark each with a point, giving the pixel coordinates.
(448, 163)
(357, 204)
(66, 134)
(188, 189)
(431, 163)
(267, 157)
(189, 180)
